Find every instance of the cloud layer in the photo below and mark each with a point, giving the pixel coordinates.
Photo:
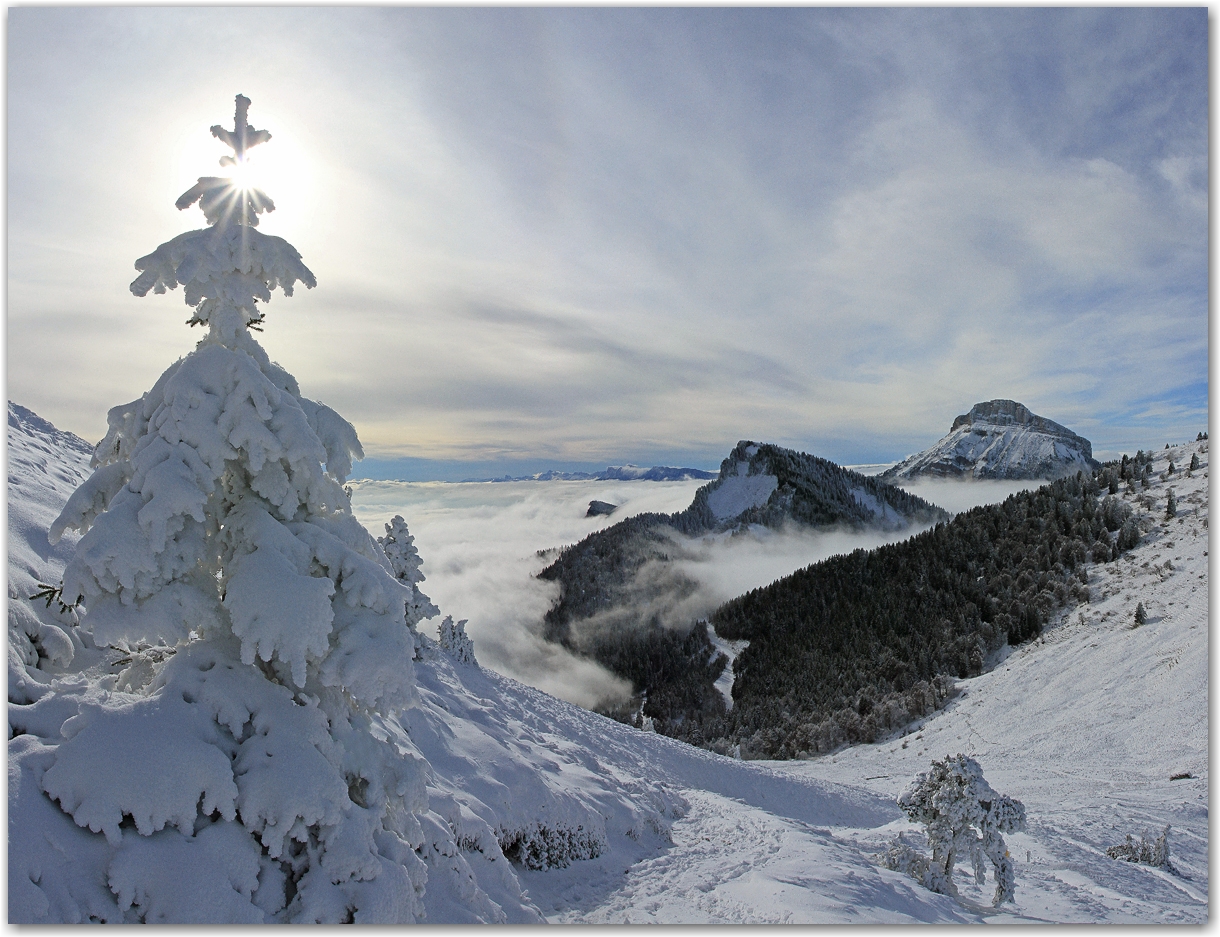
(479, 543)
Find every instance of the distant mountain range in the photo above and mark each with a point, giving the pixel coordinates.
(1000, 439)
(628, 472)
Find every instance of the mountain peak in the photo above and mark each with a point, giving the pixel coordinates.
(1000, 439)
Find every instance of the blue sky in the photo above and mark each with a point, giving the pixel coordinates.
(578, 237)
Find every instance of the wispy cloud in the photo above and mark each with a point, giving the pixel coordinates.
(599, 233)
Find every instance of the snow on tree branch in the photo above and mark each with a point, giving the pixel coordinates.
(225, 269)
(964, 816)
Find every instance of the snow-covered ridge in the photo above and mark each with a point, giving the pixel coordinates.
(518, 786)
(1000, 439)
(770, 485)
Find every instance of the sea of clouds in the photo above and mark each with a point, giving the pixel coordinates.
(480, 544)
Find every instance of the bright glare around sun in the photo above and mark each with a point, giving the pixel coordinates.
(278, 167)
(242, 173)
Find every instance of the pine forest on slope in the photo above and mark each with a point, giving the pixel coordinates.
(856, 645)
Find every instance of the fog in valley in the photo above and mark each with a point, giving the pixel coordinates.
(479, 542)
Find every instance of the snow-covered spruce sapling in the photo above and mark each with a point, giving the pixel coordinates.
(1141, 616)
(1194, 461)
(1171, 505)
(963, 816)
(454, 640)
(215, 523)
(399, 548)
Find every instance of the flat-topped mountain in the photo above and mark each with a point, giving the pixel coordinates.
(1000, 439)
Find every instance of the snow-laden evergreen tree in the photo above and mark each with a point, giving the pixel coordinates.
(246, 764)
(399, 548)
(454, 640)
(964, 816)
(1171, 505)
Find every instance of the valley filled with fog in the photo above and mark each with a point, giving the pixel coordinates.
(480, 544)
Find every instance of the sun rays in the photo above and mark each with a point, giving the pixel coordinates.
(246, 177)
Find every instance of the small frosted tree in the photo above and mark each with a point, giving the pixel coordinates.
(250, 760)
(1155, 853)
(453, 638)
(964, 817)
(1171, 505)
(399, 548)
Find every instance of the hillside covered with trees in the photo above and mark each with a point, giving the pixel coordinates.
(852, 647)
(620, 599)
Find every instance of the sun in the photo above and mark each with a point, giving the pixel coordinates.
(244, 174)
(281, 168)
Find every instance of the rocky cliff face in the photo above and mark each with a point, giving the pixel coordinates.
(1000, 439)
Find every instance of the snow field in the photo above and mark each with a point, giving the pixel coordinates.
(1085, 726)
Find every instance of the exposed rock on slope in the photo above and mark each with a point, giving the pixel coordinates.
(1000, 439)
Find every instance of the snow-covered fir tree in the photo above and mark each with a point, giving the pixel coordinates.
(244, 763)
(454, 640)
(964, 816)
(399, 548)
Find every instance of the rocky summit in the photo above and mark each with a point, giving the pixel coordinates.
(1000, 439)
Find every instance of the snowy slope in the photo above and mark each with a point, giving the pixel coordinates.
(522, 789)
(1000, 439)
(45, 465)
(1086, 726)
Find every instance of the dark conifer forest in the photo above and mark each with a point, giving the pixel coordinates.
(858, 645)
(616, 585)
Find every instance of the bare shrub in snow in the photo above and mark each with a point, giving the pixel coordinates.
(964, 817)
(540, 846)
(1155, 853)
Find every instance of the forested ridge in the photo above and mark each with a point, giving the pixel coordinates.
(861, 643)
(612, 610)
